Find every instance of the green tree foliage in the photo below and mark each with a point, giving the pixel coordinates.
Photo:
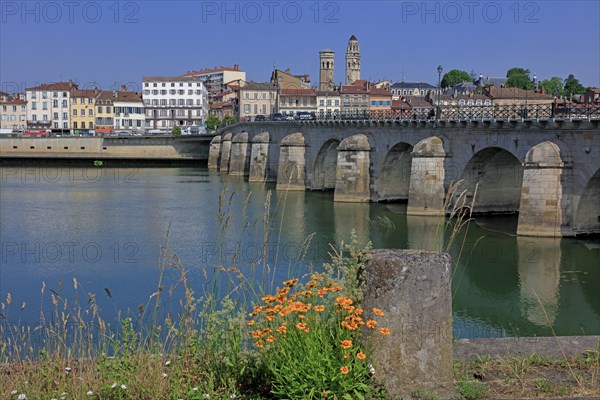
(176, 130)
(455, 77)
(212, 122)
(228, 120)
(553, 86)
(573, 86)
(519, 78)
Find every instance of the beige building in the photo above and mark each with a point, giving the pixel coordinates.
(105, 115)
(519, 103)
(129, 112)
(326, 70)
(292, 101)
(216, 79)
(257, 99)
(286, 80)
(13, 114)
(355, 101)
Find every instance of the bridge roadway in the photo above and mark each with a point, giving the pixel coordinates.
(548, 171)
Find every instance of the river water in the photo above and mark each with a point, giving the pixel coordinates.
(106, 228)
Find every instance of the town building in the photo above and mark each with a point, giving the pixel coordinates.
(174, 101)
(463, 106)
(403, 89)
(412, 107)
(83, 110)
(257, 98)
(592, 96)
(352, 61)
(486, 81)
(329, 104)
(293, 101)
(286, 80)
(519, 103)
(105, 112)
(380, 102)
(13, 113)
(216, 79)
(129, 113)
(48, 106)
(326, 70)
(355, 101)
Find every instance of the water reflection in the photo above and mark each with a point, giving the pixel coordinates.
(539, 262)
(216, 220)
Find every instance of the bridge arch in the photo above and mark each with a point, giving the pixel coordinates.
(324, 171)
(587, 216)
(394, 175)
(492, 179)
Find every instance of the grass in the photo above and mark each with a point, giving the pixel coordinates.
(529, 376)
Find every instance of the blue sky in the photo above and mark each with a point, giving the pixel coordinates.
(114, 42)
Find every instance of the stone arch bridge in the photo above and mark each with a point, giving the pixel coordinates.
(547, 171)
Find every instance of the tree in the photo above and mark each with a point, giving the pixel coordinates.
(573, 86)
(227, 120)
(176, 131)
(553, 86)
(455, 77)
(519, 78)
(212, 122)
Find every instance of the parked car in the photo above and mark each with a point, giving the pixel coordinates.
(305, 115)
(289, 117)
(260, 117)
(277, 117)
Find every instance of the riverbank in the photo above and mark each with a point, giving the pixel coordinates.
(523, 368)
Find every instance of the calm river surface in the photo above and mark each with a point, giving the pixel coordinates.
(106, 227)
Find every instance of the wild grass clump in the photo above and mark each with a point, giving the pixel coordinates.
(228, 337)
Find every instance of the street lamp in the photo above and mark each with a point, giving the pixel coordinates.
(439, 70)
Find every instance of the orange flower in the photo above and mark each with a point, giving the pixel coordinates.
(270, 339)
(360, 355)
(256, 334)
(343, 301)
(250, 323)
(371, 324)
(282, 329)
(303, 327)
(344, 370)
(291, 282)
(268, 299)
(260, 344)
(346, 344)
(324, 393)
(377, 311)
(358, 311)
(347, 355)
(319, 308)
(384, 331)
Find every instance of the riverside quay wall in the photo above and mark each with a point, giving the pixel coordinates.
(547, 171)
(150, 148)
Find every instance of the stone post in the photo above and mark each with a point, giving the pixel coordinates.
(225, 152)
(426, 192)
(291, 174)
(214, 153)
(352, 175)
(239, 161)
(413, 290)
(259, 158)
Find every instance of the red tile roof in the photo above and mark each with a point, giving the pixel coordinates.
(53, 86)
(13, 102)
(516, 93)
(210, 71)
(298, 92)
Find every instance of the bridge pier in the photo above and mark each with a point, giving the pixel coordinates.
(214, 153)
(239, 163)
(225, 152)
(426, 189)
(544, 199)
(352, 183)
(259, 158)
(291, 174)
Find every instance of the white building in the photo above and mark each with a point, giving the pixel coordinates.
(216, 79)
(129, 112)
(48, 106)
(171, 101)
(328, 104)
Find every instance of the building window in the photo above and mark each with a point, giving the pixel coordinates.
(99, 109)
(44, 106)
(55, 115)
(90, 113)
(74, 112)
(65, 115)
(65, 125)
(246, 108)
